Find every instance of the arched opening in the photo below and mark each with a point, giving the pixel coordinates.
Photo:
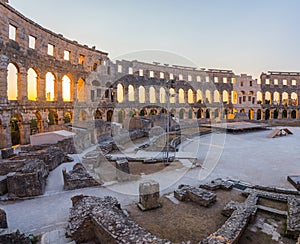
(181, 114)
(190, 96)
(268, 99)
(143, 112)
(294, 114)
(39, 121)
(199, 114)
(81, 90)
(294, 99)
(181, 95)
(33, 126)
(15, 121)
(131, 95)
(162, 95)
(284, 114)
(207, 96)
(109, 115)
(251, 114)
(142, 94)
(67, 117)
(216, 96)
(258, 116)
(121, 115)
(267, 114)
(12, 81)
(83, 115)
(120, 93)
(52, 118)
(66, 88)
(172, 97)
(199, 96)
(275, 114)
(50, 86)
(152, 94)
(153, 112)
(132, 113)
(276, 98)
(285, 99)
(225, 96)
(207, 114)
(32, 84)
(190, 113)
(97, 114)
(259, 97)
(234, 97)
(217, 113)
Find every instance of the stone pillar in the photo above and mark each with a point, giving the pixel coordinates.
(3, 79)
(58, 91)
(41, 87)
(122, 170)
(148, 195)
(22, 85)
(5, 131)
(24, 128)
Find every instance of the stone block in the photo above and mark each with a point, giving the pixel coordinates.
(3, 219)
(3, 185)
(149, 195)
(7, 153)
(122, 170)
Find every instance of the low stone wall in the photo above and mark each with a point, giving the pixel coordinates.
(78, 178)
(103, 221)
(276, 190)
(200, 196)
(267, 195)
(293, 219)
(14, 237)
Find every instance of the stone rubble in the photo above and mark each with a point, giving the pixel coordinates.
(217, 184)
(78, 178)
(293, 219)
(200, 196)
(103, 221)
(15, 237)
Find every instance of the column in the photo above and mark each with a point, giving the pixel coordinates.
(24, 128)
(41, 87)
(3, 79)
(22, 85)
(58, 92)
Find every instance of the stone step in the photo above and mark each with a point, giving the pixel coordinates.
(272, 210)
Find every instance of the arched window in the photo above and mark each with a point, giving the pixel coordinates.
(234, 97)
(207, 96)
(294, 98)
(81, 90)
(259, 97)
(225, 97)
(199, 96)
(172, 97)
(142, 94)
(276, 98)
(268, 99)
(12, 81)
(181, 95)
(285, 99)
(216, 96)
(31, 84)
(190, 96)
(131, 93)
(162, 95)
(120, 93)
(66, 88)
(152, 94)
(50, 81)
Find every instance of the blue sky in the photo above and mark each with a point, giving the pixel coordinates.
(245, 36)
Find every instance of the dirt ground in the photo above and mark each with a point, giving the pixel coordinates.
(185, 221)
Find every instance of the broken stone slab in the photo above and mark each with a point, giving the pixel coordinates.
(200, 196)
(149, 195)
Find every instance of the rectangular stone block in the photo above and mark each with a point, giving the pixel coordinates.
(122, 170)
(149, 195)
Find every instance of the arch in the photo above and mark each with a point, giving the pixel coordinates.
(52, 118)
(153, 112)
(143, 112)
(225, 96)
(152, 94)
(259, 114)
(285, 99)
(259, 97)
(199, 96)
(142, 94)
(284, 114)
(67, 117)
(294, 99)
(162, 95)
(268, 99)
(181, 97)
(12, 81)
(109, 115)
(217, 113)
(66, 89)
(216, 96)
(234, 97)
(207, 96)
(190, 113)
(132, 113)
(131, 93)
(83, 115)
(121, 115)
(97, 114)
(276, 114)
(15, 120)
(50, 86)
(251, 114)
(120, 93)
(207, 114)
(267, 114)
(276, 98)
(81, 90)
(190, 96)
(32, 84)
(199, 113)
(294, 114)
(181, 113)
(172, 97)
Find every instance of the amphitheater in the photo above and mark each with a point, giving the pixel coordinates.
(50, 83)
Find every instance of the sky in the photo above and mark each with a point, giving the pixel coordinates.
(244, 36)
